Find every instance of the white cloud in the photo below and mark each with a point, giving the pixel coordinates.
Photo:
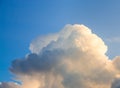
(72, 58)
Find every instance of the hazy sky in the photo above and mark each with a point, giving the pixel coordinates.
(23, 20)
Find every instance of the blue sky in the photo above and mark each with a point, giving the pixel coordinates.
(23, 20)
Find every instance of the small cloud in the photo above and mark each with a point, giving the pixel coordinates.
(114, 40)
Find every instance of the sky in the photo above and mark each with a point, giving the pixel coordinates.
(21, 21)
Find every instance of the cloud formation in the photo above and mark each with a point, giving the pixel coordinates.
(114, 40)
(72, 58)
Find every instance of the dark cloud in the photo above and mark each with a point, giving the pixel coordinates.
(36, 63)
(9, 85)
(116, 83)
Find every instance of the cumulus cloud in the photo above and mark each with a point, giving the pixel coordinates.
(72, 58)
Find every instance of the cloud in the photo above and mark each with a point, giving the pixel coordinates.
(113, 40)
(116, 83)
(9, 85)
(72, 58)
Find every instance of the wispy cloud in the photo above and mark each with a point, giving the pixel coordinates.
(113, 40)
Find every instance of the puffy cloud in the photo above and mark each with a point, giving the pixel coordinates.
(72, 58)
(116, 62)
(41, 42)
